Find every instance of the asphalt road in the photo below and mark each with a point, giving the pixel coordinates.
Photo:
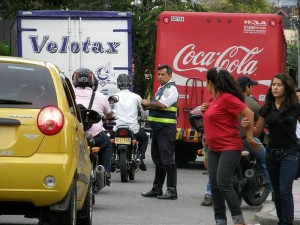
(122, 203)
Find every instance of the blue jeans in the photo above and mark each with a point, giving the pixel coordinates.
(260, 156)
(208, 188)
(103, 141)
(282, 170)
(221, 166)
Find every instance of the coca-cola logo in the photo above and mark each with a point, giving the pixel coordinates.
(238, 59)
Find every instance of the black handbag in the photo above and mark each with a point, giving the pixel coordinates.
(88, 125)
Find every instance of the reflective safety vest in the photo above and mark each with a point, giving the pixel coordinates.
(163, 117)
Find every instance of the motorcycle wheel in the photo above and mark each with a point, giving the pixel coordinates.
(237, 183)
(257, 197)
(123, 165)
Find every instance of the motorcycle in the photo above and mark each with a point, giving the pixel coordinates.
(125, 158)
(98, 174)
(248, 179)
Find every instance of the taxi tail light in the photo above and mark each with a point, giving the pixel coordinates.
(122, 133)
(50, 120)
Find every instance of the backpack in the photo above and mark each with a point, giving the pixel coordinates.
(87, 126)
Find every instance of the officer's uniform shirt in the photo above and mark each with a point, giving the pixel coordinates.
(170, 95)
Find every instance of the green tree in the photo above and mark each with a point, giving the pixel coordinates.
(4, 49)
(239, 6)
(292, 54)
(145, 14)
(292, 61)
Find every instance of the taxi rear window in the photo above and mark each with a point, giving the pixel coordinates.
(26, 86)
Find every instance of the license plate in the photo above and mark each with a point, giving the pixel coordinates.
(124, 141)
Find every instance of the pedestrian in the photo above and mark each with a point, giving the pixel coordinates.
(128, 108)
(84, 83)
(221, 129)
(162, 118)
(298, 94)
(246, 85)
(298, 123)
(207, 201)
(280, 113)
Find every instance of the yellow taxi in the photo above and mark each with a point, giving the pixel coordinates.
(44, 156)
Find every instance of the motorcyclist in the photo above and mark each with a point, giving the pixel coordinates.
(246, 85)
(84, 83)
(127, 111)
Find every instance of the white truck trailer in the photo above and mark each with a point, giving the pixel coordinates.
(98, 40)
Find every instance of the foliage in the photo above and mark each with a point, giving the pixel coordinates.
(4, 49)
(292, 62)
(9, 8)
(241, 6)
(292, 54)
(144, 21)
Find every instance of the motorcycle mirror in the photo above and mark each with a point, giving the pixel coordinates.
(89, 117)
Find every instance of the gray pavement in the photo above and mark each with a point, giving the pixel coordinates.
(267, 215)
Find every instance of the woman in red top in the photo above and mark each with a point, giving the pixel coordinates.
(220, 118)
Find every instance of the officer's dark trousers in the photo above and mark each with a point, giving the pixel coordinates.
(163, 146)
(162, 152)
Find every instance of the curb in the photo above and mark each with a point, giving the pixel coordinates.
(267, 215)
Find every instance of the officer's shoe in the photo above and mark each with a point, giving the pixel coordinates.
(170, 194)
(153, 193)
(142, 166)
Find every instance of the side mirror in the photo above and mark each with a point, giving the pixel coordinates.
(89, 117)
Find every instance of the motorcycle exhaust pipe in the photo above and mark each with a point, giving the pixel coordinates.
(136, 164)
(251, 178)
(100, 178)
(138, 161)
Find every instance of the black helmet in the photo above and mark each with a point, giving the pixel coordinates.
(83, 77)
(123, 81)
(196, 119)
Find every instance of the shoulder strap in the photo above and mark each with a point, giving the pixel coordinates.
(92, 100)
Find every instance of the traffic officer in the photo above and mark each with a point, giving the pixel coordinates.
(162, 118)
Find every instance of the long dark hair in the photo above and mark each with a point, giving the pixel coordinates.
(290, 97)
(223, 81)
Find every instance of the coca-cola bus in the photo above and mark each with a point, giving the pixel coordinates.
(193, 42)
